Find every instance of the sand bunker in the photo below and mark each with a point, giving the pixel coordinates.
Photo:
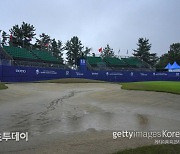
(80, 117)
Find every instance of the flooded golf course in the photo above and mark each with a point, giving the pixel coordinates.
(80, 117)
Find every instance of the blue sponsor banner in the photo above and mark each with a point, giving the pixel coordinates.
(82, 62)
(23, 74)
(83, 66)
(0, 73)
(27, 74)
(126, 76)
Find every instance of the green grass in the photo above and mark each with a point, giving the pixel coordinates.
(153, 149)
(73, 80)
(159, 86)
(3, 86)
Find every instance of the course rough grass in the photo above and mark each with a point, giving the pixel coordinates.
(153, 149)
(159, 86)
(73, 80)
(3, 86)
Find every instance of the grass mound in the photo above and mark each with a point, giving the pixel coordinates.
(3, 86)
(73, 80)
(153, 149)
(159, 86)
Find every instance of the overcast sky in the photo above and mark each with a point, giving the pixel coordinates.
(97, 22)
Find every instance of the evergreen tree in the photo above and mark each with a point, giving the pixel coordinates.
(4, 38)
(22, 35)
(163, 61)
(172, 55)
(43, 43)
(57, 49)
(107, 52)
(153, 59)
(86, 52)
(143, 52)
(74, 49)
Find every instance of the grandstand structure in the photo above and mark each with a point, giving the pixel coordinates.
(25, 65)
(24, 57)
(116, 63)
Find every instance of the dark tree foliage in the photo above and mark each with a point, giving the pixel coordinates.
(163, 61)
(107, 52)
(74, 49)
(153, 59)
(57, 49)
(86, 52)
(22, 35)
(143, 52)
(5, 37)
(43, 43)
(172, 55)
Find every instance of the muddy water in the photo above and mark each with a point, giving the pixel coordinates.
(45, 108)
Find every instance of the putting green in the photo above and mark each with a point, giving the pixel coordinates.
(159, 86)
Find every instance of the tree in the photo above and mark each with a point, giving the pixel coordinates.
(86, 52)
(22, 35)
(74, 49)
(4, 38)
(172, 55)
(163, 61)
(143, 52)
(107, 52)
(43, 43)
(153, 59)
(57, 49)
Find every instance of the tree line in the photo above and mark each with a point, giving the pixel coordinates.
(24, 34)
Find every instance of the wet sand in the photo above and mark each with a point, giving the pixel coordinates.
(80, 117)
